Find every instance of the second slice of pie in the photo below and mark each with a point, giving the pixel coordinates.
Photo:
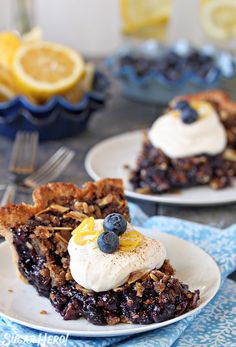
(193, 143)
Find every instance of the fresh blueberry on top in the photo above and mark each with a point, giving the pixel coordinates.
(108, 242)
(189, 115)
(182, 105)
(115, 222)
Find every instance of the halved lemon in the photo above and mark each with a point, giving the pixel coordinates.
(5, 93)
(7, 80)
(140, 13)
(85, 85)
(219, 18)
(43, 69)
(9, 45)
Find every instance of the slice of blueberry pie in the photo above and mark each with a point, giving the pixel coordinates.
(192, 143)
(78, 248)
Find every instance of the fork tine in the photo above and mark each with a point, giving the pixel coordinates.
(24, 153)
(8, 195)
(52, 169)
(16, 146)
(52, 174)
(49, 164)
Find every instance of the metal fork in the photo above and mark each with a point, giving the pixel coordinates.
(22, 161)
(51, 169)
(23, 155)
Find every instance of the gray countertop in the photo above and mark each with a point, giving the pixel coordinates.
(119, 115)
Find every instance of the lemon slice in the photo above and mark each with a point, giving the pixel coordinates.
(218, 18)
(85, 85)
(7, 80)
(6, 93)
(140, 13)
(43, 69)
(9, 45)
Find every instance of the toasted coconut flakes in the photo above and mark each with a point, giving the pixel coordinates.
(59, 208)
(230, 154)
(43, 211)
(41, 231)
(61, 238)
(139, 289)
(56, 207)
(105, 201)
(76, 215)
(136, 275)
(43, 312)
(81, 206)
(59, 228)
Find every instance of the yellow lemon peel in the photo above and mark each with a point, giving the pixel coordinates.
(130, 240)
(204, 106)
(85, 233)
(88, 224)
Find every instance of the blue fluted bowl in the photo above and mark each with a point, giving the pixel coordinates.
(57, 118)
(153, 87)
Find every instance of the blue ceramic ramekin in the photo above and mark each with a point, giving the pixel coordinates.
(57, 118)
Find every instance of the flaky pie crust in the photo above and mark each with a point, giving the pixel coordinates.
(12, 216)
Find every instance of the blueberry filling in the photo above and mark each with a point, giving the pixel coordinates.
(156, 173)
(43, 260)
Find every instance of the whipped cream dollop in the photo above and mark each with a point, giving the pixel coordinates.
(98, 271)
(177, 139)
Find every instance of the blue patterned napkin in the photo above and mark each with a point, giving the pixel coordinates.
(215, 324)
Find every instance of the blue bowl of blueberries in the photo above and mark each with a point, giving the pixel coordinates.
(155, 73)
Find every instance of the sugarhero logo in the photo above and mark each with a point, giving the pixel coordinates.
(42, 340)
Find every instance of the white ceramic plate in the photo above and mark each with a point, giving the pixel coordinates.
(23, 305)
(110, 157)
